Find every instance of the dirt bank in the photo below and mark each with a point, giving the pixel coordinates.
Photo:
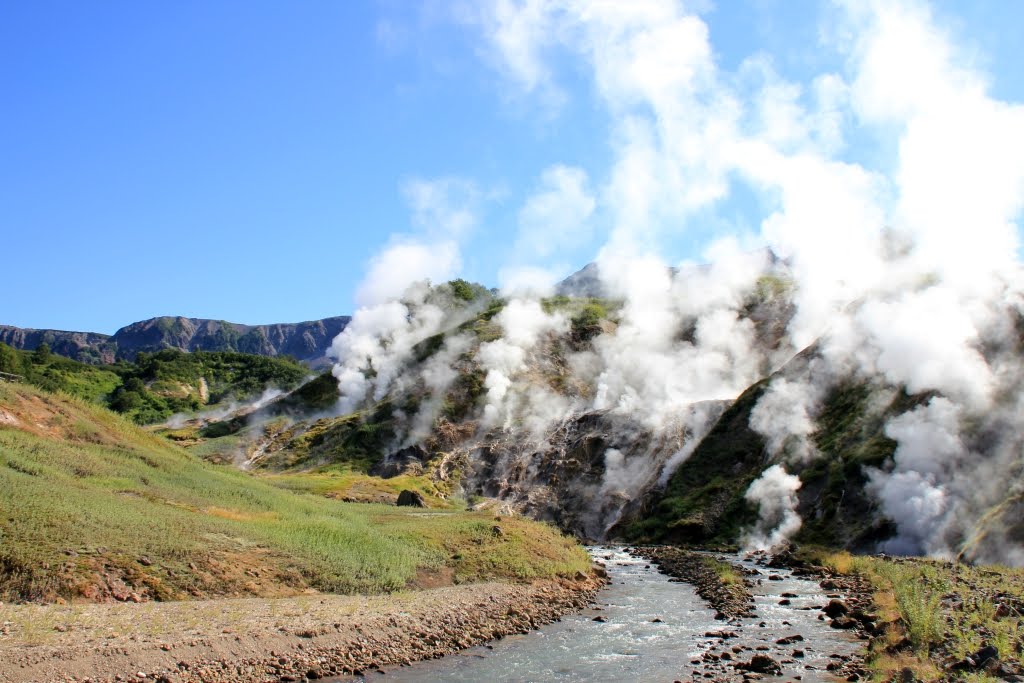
(289, 639)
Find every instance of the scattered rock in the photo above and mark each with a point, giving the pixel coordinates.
(843, 622)
(409, 498)
(730, 601)
(836, 608)
(762, 664)
(724, 635)
(979, 660)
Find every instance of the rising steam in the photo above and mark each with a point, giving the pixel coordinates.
(902, 273)
(774, 494)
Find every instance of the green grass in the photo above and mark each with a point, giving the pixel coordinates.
(318, 394)
(56, 373)
(727, 573)
(342, 482)
(157, 385)
(772, 286)
(357, 439)
(935, 611)
(87, 494)
(850, 438)
(703, 502)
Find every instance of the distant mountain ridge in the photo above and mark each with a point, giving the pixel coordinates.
(307, 341)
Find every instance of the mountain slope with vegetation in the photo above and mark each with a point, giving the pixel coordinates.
(98, 509)
(499, 401)
(156, 386)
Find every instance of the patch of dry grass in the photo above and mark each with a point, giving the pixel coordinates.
(937, 612)
(126, 512)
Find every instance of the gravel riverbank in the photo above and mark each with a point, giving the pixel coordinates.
(784, 616)
(257, 640)
(731, 601)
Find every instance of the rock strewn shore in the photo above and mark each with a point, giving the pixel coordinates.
(254, 640)
(731, 601)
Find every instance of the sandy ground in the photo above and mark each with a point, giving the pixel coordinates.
(286, 639)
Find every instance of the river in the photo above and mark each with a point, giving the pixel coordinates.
(644, 627)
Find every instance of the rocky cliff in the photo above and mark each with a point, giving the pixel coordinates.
(87, 347)
(306, 341)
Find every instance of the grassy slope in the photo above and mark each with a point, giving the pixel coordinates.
(157, 385)
(56, 373)
(936, 612)
(356, 441)
(94, 506)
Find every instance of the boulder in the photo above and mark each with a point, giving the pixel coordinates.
(762, 664)
(979, 660)
(836, 608)
(409, 498)
(843, 622)
(406, 461)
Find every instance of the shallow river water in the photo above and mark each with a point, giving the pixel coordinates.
(631, 646)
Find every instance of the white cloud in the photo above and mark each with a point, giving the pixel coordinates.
(529, 281)
(443, 207)
(406, 261)
(555, 218)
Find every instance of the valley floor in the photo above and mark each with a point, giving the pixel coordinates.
(283, 639)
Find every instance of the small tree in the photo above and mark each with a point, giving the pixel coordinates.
(42, 354)
(587, 323)
(10, 361)
(462, 289)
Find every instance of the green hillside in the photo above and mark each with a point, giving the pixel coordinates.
(157, 385)
(704, 502)
(96, 508)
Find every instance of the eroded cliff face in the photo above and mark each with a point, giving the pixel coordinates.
(306, 341)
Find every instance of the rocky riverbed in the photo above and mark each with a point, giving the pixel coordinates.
(777, 623)
(646, 627)
(732, 600)
(255, 640)
(784, 621)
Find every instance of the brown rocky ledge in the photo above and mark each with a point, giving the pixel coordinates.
(289, 639)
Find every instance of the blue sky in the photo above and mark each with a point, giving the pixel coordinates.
(247, 160)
